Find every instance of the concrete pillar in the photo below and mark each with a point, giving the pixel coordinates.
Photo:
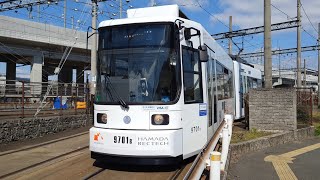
(45, 75)
(11, 72)
(36, 69)
(10, 77)
(65, 75)
(36, 75)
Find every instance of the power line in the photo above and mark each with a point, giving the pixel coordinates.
(15, 4)
(308, 18)
(288, 17)
(309, 34)
(282, 51)
(212, 15)
(255, 30)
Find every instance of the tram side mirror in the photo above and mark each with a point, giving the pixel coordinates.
(187, 33)
(203, 52)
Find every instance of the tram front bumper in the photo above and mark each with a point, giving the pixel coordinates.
(136, 143)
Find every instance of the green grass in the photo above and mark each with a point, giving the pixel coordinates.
(316, 122)
(241, 136)
(317, 128)
(316, 116)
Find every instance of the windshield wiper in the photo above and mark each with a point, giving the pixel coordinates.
(111, 88)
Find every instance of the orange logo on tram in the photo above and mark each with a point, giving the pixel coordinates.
(96, 137)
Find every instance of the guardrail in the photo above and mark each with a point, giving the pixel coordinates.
(19, 98)
(208, 157)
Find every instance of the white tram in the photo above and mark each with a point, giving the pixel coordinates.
(246, 77)
(163, 87)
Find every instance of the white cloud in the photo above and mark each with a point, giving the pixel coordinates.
(249, 13)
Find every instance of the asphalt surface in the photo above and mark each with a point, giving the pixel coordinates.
(297, 160)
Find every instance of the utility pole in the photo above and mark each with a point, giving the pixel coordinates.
(279, 66)
(267, 45)
(298, 44)
(305, 73)
(94, 48)
(72, 22)
(230, 39)
(318, 63)
(120, 6)
(38, 12)
(65, 14)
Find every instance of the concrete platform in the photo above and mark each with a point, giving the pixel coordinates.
(298, 160)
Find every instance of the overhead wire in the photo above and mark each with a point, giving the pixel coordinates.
(212, 14)
(308, 18)
(61, 64)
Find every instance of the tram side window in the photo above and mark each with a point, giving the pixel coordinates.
(191, 76)
(220, 81)
(224, 82)
(259, 83)
(230, 84)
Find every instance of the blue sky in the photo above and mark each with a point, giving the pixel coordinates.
(212, 14)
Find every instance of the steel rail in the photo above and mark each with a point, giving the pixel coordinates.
(94, 174)
(43, 144)
(177, 173)
(42, 162)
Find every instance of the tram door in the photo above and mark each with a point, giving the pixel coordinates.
(211, 94)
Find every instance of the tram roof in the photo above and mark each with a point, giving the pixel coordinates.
(167, 13)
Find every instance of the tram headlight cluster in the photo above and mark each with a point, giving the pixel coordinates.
(160, 119)
(102, 118)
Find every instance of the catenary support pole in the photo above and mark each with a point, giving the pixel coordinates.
(279, 65)
(230, 39)
(65, 14)
(298, 44)
(318, 63)
(267, 45)
(120, 6)
(94, 48)
(304, 73)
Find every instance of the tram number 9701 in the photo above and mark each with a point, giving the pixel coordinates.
(122, 140)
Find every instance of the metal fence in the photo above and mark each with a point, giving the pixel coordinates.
(22, 99)
(315, 100)
(304, 106)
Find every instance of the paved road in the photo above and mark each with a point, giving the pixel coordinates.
(298, 160)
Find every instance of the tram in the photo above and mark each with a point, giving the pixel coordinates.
(163, 86)
(246, 77)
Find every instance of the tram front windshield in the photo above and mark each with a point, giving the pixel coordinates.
(138, 64)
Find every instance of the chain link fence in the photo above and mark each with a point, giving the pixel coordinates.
(305, 103)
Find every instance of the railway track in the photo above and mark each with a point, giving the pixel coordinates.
(42, 162)
(89, 176)
(5, 157)
(77, 164)
(42, 144)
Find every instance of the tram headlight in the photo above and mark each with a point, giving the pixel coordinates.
(160, 119)
(102, 118)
